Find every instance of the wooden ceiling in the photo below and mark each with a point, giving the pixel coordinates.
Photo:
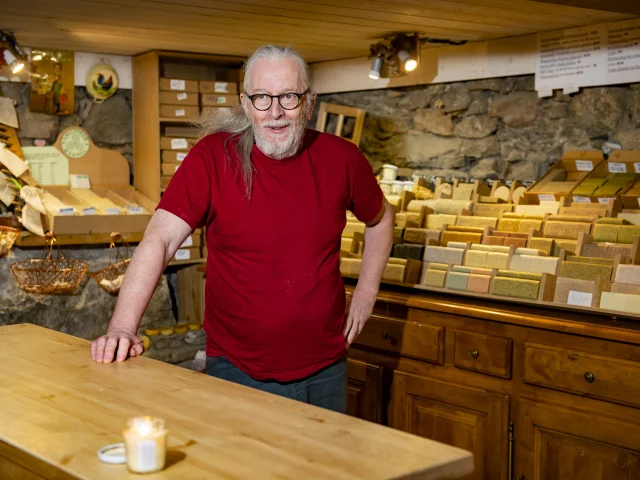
(319, 29)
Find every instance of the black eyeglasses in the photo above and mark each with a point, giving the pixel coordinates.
(288, 100)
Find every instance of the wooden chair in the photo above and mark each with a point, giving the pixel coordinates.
(341, 111)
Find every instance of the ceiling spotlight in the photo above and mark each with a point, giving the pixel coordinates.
(14, 64)
(13, 55)
(37, 57)
(376, 67)
(408, 51)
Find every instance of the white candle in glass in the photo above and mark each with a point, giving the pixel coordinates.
(145, 441)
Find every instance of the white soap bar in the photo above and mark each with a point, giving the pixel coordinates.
(620, 302)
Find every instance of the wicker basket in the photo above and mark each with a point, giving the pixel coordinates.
(50, 275)
(110, 278)
(8, 236)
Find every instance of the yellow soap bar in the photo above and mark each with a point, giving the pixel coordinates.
(353, 227)
(437, 222)
(497, 260)
(394, 272)
(476, 258)
(433, 278)
(620, 302)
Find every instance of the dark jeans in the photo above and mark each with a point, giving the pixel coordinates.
(326, 388)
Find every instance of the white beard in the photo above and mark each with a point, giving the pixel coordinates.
(287, 147)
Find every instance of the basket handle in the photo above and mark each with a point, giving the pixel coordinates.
(115, 237)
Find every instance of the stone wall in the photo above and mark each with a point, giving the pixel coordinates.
(495, 128)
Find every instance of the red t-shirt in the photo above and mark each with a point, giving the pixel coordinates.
(274, 300)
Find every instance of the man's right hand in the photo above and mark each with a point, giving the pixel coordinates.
(123, 341)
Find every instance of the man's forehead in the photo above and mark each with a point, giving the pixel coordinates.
(267, 74)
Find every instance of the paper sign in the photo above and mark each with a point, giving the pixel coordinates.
(182, 96)
(582, 299)
(637, 167)
(89, 211)
(615, 167)
(178, 85)
(183, 254)
(605, 200)
(180, 112)
(179, 143)
(187, 243)
(112, 211)
(220, 87)
(66, 211)
(584, 165)
(221, 100)
(79, 180)
(546, 198)
(582, 199)
(134, 210)
(181, 156)
(48, 165)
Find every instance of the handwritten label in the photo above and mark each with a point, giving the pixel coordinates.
(179, 143)
(182, 96)
(221, 100)
(112, 211)
(180, 112)
(178, 84)
(546, 198)
(220, 87)
(605, 200)
(79, 180)
(582, 199)
(637, 167)
(89, 211)
(615, 167)
(584, 165)
(581, 299)
(187, 243)
(134, 209)
(181, 156)
(66, 211)
(183, 254)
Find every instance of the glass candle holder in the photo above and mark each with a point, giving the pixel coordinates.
(145, 441)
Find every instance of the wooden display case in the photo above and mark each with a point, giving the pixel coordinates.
(621, 162)
(153, 73)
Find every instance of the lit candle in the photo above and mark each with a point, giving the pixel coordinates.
(145, 441)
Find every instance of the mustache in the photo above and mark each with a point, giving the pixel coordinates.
(277, 123)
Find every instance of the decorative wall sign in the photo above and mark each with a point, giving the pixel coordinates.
(102, 81)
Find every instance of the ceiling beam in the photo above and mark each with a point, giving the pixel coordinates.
(616, 6)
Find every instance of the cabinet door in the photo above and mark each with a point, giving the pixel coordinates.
(560, 443)
(364, 390)
(465, 417)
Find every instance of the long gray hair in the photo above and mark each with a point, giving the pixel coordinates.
(235, 120)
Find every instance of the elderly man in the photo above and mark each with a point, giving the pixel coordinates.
(273, 196)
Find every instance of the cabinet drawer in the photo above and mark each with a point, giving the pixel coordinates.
(583, 373)
(410, 339)
(483, 353)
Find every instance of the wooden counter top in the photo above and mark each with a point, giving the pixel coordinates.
(58, 407)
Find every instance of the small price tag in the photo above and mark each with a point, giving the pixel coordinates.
(89, 211)
(582, 199)
(615, 167)
(221, 99)
(178, 84)
(547, 198)
(181, 156)
(182, 96)
(113, 211)
(179, 143)
(79, 180)
(221, 87)
(66, 211)
(584, 165)
(581, 299)
(180, 112)
(183, 254)
(636, 166)
(605, 200)
(134, 209)
(188, 242)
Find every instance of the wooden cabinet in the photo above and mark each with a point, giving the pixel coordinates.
(364, 390)
(465, 417)
(560, 443)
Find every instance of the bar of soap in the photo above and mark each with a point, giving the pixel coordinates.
(478, 283)
(437, 266)
(564, 286)
(398, 234)
(494, 240)
(474, 270)
(353, 227)
(523, 275)
(620, 302)
(628, 233)
(415, 235)
(526, 225)
(457, 281)
(393, 272)
(516, 242)
(530, 251)
(631, 217)
(522, 263)
(544, 244)
(416, 205)
(345, 244)
(481, 247)
(452, 207)
(592, 260)
(612, 221)
(565, 229)
(476, 258)
(605, 233)
(484, 210)
(433, 278)
(509, 224)
(462, 237)
(469, 221)
(402, 218)
(629, 274)
(585, 271)
(625, 288)
(438, 221)
(515, 287)
(457, 245)
(451, 256)
(562, 244)
(405, 250)
(497, 260)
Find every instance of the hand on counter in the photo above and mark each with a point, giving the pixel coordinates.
(358, 312)
(120, 340)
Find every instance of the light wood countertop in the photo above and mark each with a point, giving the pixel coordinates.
(58, 407)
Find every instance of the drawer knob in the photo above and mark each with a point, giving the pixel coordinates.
(589, 377)
(474, 353)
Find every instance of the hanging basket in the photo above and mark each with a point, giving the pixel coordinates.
(8, 236)
(49, 275)
(110, 278)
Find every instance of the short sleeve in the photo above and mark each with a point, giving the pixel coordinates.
(188, 195)
(366, 195)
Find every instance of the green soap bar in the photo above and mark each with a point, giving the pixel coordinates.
(523, 275)
(605, 233)
(461, 269)
(592, 260)
(544, 244)
(457, 281)
(628, 233)
(516, 288)
(585, 271)
(613, 221)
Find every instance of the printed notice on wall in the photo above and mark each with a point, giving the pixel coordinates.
(588, 56)
(48, 165)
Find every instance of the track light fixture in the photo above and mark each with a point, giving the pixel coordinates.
(399, 55)
(13, 55)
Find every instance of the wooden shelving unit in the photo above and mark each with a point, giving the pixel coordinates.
(148, 126)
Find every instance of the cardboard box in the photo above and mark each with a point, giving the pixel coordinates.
(178, 98)
(173, 156)
(180, 131)
(179, 111)
(192, 240)
(178, 85)
(170, 168)
(189, 253)
(165, 180)
(176, 143)
(208, 86)
(219, 100)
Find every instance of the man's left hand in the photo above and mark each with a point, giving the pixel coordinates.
(359, 312)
